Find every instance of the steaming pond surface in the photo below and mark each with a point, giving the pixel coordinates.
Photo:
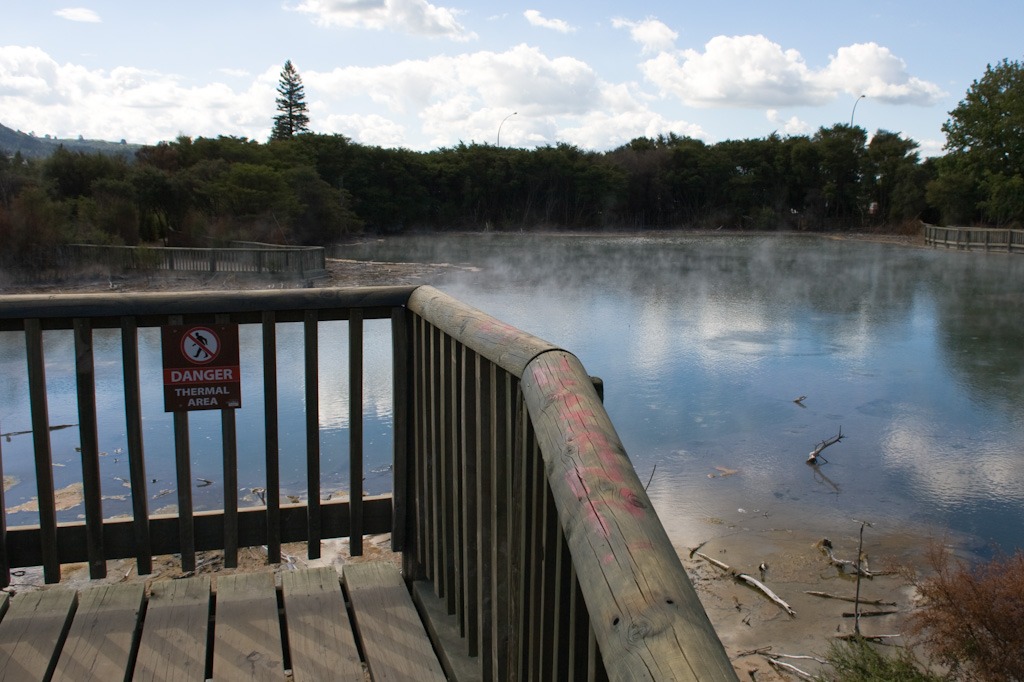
(703, 344)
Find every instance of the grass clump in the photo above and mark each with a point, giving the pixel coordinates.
(856, 660)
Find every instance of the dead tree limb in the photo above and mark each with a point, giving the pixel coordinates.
(816, 453)
(871, 602)
(753, 582)
(791, 669)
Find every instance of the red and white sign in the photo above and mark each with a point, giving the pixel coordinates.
(201, 367)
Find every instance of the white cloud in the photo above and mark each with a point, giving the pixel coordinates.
(651, 33)
(128, 103)
(872, 70)
(791, 126)
(465, 98)
(520, 79)
(417, 17)
(535, 19)
(237, 73)
(372, 129)
(752, 71)
(78, 14)
(740, 71)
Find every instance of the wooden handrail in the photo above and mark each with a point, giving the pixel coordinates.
(614, 536)
(512, 451)
(523, 526)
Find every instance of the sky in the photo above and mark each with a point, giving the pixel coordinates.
(428, 75)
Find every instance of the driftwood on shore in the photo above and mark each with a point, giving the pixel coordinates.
(753, 582)
(872, 602)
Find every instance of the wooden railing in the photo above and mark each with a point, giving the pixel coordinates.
(528, 541)
(975, 238)
(307, 261)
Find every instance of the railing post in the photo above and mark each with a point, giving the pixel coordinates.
(85, 372)
(43, 455)
(355, 447)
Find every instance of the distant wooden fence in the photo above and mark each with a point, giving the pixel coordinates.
(975, 238)
(299, 261)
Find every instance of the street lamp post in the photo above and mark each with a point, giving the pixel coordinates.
(498, 143)
(855, 108)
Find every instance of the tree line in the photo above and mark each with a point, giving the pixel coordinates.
(308, 188)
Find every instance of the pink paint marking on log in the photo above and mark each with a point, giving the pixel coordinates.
(599, 472)
(609, 456)
(633, 504)
(597, 521)
(577, 417)
(608, 558)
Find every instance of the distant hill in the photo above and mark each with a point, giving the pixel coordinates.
(12, 141)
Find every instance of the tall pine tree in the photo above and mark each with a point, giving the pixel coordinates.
(291, 105)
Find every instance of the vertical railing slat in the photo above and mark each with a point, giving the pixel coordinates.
(273, 489)
(312, 385)
(5, 567)
(41, 447)
(562, 613)
(421, 360)
(136, 451)
(484, 531)
(355, 426)
(434, 459)
(502, 429)
(183, 470)
(229, 450)
(518, 546)
(456, 418)
(229, 437)
(400, 368)
(471, 453)
(85, 382)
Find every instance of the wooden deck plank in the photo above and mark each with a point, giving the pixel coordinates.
(173, 645)
(31, 632)
(394, 641)
(319, 631)
(247, 633)
(99, 643)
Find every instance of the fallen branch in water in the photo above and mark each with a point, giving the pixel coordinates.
(816, 453)
(753, 582)
(865, 614)
(872, 602)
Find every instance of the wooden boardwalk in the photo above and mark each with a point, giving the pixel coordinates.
(232, 628)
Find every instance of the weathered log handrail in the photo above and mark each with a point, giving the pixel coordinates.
(525, 533)
(553, 496)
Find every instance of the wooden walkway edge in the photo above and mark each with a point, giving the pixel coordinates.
(232, 628)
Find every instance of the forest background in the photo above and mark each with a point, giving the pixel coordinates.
(309, 188)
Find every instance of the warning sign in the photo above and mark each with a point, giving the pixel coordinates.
(201, 367)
